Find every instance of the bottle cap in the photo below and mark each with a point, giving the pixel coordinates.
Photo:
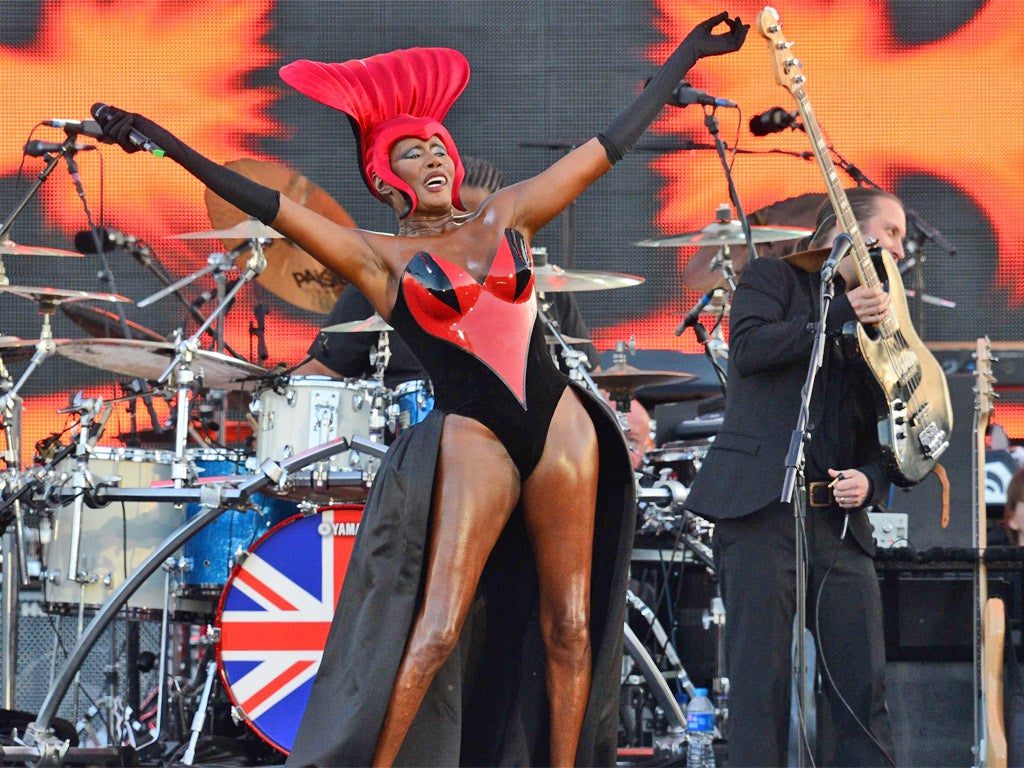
(700, 692)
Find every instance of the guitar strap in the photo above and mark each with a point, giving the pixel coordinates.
(940, 472)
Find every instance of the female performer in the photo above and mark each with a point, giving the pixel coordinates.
(512, 503)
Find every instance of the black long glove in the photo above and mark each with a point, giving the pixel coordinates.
(255, 199)
(624, 130)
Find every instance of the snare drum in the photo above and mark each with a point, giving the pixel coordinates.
(274, 617)
(313, 410)
(213, 551)
(409, 404)
(114, 540)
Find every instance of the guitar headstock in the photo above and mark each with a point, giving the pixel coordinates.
(788, 71)
(984, 392)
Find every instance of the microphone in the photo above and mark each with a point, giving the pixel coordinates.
(694, 314)
(930, 233)
(88, 128)
(40, 148)
(840, 247)
(100, 110)
(685, 94)
(774, 120)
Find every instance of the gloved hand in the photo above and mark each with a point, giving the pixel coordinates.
(703, 42)
(116, 125)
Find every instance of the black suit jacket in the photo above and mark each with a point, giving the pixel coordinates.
(774, 312)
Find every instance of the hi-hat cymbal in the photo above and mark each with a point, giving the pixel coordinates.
(10, 248)
(623, 378)
(15, 350)
(374, 323)
(149, 360)
(107, 325)
(727, 233)
(549, 278)
(55, 296)
(291, 273)
(250, 229)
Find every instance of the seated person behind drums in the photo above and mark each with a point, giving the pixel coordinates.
(515, 455)
(350, 354)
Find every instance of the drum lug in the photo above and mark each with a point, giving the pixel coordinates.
(240, 556)
(238, 715)
(212, 634)
(308, 508)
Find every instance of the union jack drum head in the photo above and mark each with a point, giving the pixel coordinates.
(274, 616)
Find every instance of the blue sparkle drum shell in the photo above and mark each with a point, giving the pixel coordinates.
(410, 402)
(215, 548)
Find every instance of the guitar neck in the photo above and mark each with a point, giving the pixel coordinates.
(845, 217)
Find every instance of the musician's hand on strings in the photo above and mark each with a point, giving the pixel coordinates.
(871, 305)
(850, 488)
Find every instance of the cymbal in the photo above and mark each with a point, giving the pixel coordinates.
(623, 377)
(291, 273)
(15, 350)
(10, 248)
(149, 360)
(727, 233)
(106, 325)
(372, 323)
(250, 229)
(549, 278)
(56, 296)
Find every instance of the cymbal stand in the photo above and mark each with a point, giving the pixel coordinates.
(13, 550)
(186, 348)
(575, 360)
(711, 121)
(723, 264)
(44, 348)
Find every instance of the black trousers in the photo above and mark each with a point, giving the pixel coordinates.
(755, 561)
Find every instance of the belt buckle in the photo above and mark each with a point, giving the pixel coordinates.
(819, 494)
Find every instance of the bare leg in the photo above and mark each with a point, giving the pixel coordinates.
(475, 490)
(559, 500)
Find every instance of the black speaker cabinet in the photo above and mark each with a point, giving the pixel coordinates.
(923, 503)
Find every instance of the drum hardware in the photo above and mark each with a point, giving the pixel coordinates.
(39, 735)
(621, 379)
(576, 360)
(291, 274)
(200, 715)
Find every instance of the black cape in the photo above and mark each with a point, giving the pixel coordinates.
(488, 703)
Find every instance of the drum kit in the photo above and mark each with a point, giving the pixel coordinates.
(253, 542)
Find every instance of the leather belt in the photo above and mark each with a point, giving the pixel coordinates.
(819, 494)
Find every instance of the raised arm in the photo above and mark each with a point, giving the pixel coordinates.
(538, 200)
(347, 251)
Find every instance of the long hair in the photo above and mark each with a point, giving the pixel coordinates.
(1014, 495)
(863, 202)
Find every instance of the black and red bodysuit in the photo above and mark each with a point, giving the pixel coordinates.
(485, 353)
(482, 346)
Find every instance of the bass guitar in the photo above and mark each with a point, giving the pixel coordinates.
(914, 412)
(989, 613)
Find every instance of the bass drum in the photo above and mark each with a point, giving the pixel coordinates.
(274, 616)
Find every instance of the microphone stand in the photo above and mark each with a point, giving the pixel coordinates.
(794, 487)
(711, 121)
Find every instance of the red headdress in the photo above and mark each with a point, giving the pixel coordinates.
(388, 97)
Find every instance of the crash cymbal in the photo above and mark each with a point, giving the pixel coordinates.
(372, 323)
(727, 233)
(250, 229)
(149, 360)
(55, 296)
(291, 273)
(791, 213)
(15, 350)
(10, 248)
(106, 325)
(623, 377)
(550, 278)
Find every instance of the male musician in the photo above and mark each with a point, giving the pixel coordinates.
(774, 314)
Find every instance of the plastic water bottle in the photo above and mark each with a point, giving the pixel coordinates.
(700, 730)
